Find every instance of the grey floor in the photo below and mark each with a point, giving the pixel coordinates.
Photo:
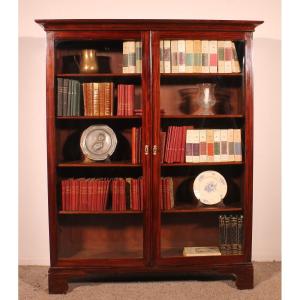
(267, 285)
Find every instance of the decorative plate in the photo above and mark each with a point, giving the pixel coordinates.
(98, 142)
(210, 187)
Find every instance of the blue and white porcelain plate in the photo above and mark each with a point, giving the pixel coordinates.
(210, 187)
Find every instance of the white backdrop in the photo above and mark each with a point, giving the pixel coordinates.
(33, 209)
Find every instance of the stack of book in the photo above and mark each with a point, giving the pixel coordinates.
(213, 145)
(231, 234)
(98, 98)
(166, 193)
(198, 56)
(84, 194)
(132, 57)
(125, 100)
(173, 144)
(136, 145)
(68, 97)
(127, 194)
(92, 195)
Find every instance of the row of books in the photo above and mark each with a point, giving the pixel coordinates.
(68, 97)
(96, 195)
(183, 144)
(166, 193)
(198, 56)
(231, 234)
(125, 100)
(213, 145)
(98, 98)
(136, 145)
(132, 57)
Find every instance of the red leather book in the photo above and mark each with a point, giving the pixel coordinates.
(167, 150)
(107, 185)
(85, 197)
(76, 194)
(134, 200)
(162, 145)
(63, 195)
(123, 194)
(130, 99)
(178, 143)
(133, 145)
(141, 194)
(68, 195)
(94, 203)
(80, 194)
(182, 151)
(125, 100)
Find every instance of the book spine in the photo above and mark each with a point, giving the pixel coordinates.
(74, 100)
(234, 235)
(224, 145)
(227, 56)
(240, 225)
(227, 235)
(130, 99)
(78, 94)
(205, 57)
(237, 144)
(85, 101)
(217, 140)
(221, 61)
(197, 56)
(65, 96)
(96, 102)
(171, 187)
(131, 57)
(161, 56)
(125, 57)
(107, 99)
(167, 56)
(210, 144)
(222, 234)
(181, 56)
(119, 95)
(189, 56)
(102, 97)
(70, 87)
(174, 56)
(77, 194)
(59, 107)
(230, 145)
(213, 56)
(138, 56)
(133, 145)
(90, 99)
(167, 148)
(63, 195)
(189, 146)
(235, 61)
(203, 148)
(196, 145)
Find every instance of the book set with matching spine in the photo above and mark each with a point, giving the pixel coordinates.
(68, 97)
(166, 193)
(198, 56)
(231, 228)
(132, 57)
(183, 144)
(136, 145)
(97, 195)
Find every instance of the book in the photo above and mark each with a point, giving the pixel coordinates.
(210, 144)
(203, 148)
(138, 56)
(59, 105)
(217, 140)
(237, 144)
(205, 56)
(235, 65)
(240, 224)
(167, 56)
(224, 145)
(227, 56)
(222, 234)
(181, 56)
(125, 57)
(196, 145)
(131, 57)
(161, 56)
(213, 56)
(189, 146)
(201, 251)
(230, 145)
(189, 56)
(65, 97)
(197, 56)
(221, 61)
(174, 56)
(96, 100)
(162, 145)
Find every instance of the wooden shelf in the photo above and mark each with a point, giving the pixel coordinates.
(218, 116)
(99, 117)
(80, 164)
(206, 163)
(105, 212)
(99, 75)
(166, 75)
(206, 209)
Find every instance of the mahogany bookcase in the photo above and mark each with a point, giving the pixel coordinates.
(148, 243)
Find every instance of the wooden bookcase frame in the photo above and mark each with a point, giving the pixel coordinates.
(152, 264)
